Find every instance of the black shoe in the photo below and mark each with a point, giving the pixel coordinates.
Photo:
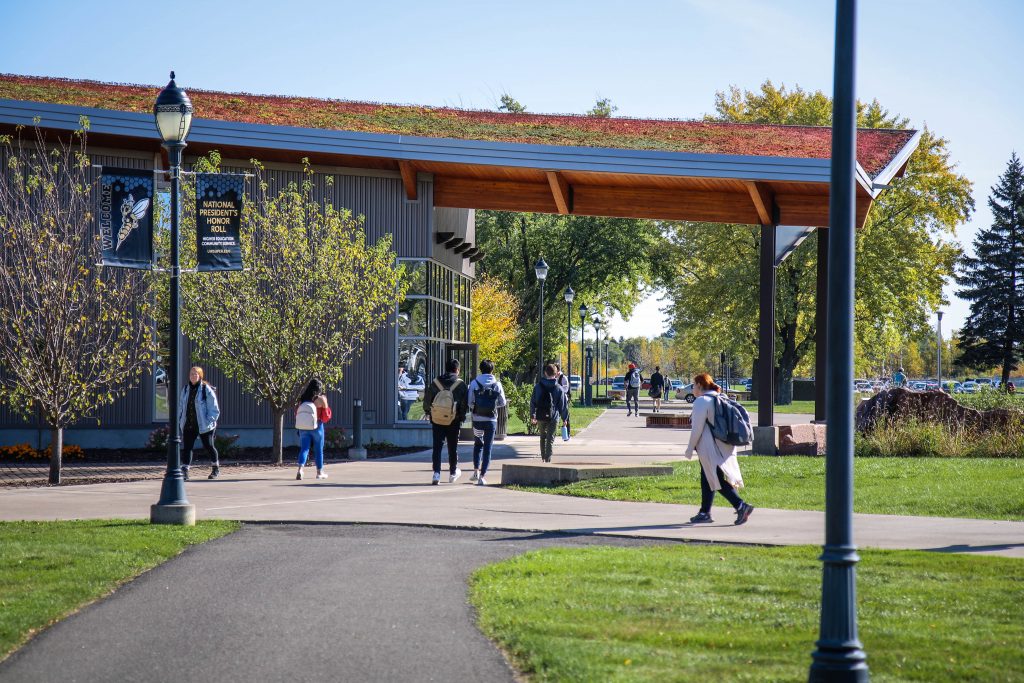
(215, 473)
(743, 513)
(701, 518)
(184, 473)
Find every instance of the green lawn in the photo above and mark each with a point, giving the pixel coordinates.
(806, 407)
(730, 613)
(49, 570)
(982, 488)
(578, 419)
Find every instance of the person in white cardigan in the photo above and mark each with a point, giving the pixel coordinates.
(719, 468)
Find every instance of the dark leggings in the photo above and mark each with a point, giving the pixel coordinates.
(443, 434)
(707, 496)
(188, 440)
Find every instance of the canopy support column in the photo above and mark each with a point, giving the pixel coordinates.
(766, 434)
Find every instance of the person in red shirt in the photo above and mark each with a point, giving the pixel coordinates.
(311, 430)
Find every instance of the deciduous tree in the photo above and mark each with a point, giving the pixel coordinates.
(494, 326)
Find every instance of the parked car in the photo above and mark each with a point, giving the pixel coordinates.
(862, 386)
(575, 382)
(969, 387)
(686, 393)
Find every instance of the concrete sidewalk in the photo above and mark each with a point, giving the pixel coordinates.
(398, 491)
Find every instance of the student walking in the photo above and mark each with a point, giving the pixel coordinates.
(659, 387)
(562, 380)
(446, 401)
(633, 381)
(486, 395)
(311, 414)
(409, 388)
(197, 417)
(547, 404)
(719, 468)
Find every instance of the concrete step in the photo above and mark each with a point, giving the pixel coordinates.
(532, 474)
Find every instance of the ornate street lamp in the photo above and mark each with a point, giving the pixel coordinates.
(585, 389)
(173, 114)
(597, 348)
(541, 269)
(569, 296)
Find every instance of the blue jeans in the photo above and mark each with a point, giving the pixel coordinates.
(314, 438)
(483, 444)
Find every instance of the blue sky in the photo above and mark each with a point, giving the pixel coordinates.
(955, 66)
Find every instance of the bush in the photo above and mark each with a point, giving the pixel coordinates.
(24, 451)
(519, 403)
(913, 438)
(158, 439)
(991, 399)
(336, 439)
(225, 443)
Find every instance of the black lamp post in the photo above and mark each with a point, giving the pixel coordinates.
(541, 269)
(585, 392)
(607, 384)
(569, 296)
(838, 654)
(597, 350)
(938, 349)
(173, 113)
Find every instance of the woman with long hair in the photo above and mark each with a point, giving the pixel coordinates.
(197, 417)
(311, 413)
(719, 468)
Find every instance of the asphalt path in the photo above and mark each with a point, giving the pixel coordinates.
(302, 602)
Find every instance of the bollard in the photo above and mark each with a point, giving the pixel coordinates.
(356, 450)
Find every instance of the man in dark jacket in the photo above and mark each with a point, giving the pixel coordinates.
(446, 417)
(659, 388)
(547, 404)
(633, 381)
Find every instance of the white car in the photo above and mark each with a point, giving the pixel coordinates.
(575, 382)
(969, 387)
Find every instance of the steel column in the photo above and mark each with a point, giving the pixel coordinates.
(766, 331)
(838, 655)
(821, 328)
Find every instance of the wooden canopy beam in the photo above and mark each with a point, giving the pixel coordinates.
(764, 202)
(408, 179)
(561, 192)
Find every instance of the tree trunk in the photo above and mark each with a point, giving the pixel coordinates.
(56, 451)
(787, 363)
(278, 444)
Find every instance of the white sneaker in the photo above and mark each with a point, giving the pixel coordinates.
(320, 474)
(481, 482)
(299, 474)
(475, 476)
(452, 478)
(436, 479)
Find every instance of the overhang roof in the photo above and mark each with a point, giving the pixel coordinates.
(782, 178)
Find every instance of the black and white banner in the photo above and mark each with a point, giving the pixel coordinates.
(219, 221)
(126, 217)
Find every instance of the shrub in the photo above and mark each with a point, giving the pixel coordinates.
(24, 451)
(336, 438)
(158, 439)
(225, 443)
(913, 438)
(991, 399)
(519, 403)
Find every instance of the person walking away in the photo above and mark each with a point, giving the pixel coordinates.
(548, 403)
(446, 402)
(311, 414)
(198, 412)
(898, 379)
(658, 387)
(719, 468)
(632, 381)
(486, 395)
(562, 380)
(409, 388)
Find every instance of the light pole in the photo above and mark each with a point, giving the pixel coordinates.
(938, 349)
(606, 362)
(597, 349)
(569, 296)
(838, 654)
(585, 389)
(541, 269)
(173, 113)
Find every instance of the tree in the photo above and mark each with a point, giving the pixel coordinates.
(494, 327)
(74, 336)
(603, 108)
(511, 105)
(905, 250)
(312, 294)
(607, 261)
(993, 281)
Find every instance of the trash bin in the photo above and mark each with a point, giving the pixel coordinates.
(502, 431)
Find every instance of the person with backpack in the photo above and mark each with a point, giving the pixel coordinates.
(486, 395)
(409, 388)
(197, 418)
(659, 387)
(548, 403)
(562, 380)
(633, 381)
(446, 401)
(311, 414)
(718, 427)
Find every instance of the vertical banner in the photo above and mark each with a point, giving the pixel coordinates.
(126, 217)
(219, 221)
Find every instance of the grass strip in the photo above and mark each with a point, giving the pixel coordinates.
(729, 613)
(579, 418)
(979, 488)
(49, 570)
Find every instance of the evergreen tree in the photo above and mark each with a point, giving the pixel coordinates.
(993, 281)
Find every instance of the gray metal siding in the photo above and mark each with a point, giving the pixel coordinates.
(462, 222)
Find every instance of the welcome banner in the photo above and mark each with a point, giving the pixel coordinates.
(219, 221)
(126, 217)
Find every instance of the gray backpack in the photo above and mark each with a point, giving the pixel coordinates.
(732, 423)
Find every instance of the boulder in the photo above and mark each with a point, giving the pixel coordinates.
(929, 406)
(802, 439)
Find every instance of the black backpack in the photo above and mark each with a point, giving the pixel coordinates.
(546, 405)
(485, 400)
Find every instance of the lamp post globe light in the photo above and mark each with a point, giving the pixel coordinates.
(569, 296)
(541, 269)
(173, 114)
